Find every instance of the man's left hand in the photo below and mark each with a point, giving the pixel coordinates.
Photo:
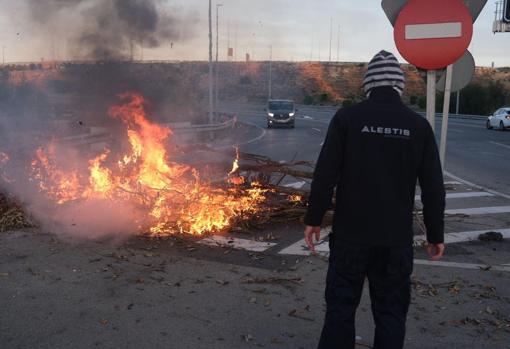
(310, 232)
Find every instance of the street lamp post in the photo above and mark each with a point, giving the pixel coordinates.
(211, 76)
(330, 37)
(217, 82)
(270, 94)
(338, 46)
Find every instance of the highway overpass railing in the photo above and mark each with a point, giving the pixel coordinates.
(99, 137)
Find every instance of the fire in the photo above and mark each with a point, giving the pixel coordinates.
(56, 183)
(4, 158)
(235, 164)
(174, 196)
(295, 198)
(232, 177)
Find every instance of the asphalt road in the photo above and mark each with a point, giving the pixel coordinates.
(474, 153)
(261, 289)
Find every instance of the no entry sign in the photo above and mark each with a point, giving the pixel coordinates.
(432, 34)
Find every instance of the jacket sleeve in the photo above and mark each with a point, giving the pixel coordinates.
(327, 171)
(433, 194)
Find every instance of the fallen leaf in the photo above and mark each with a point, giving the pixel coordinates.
(247, 337)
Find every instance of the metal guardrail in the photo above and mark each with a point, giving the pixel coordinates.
(89, 139)
(439, 115)
(460, 116)
(229, 123)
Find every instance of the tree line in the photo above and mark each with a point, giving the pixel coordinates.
(475, 99)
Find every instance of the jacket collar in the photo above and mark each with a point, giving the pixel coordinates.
(385, 94)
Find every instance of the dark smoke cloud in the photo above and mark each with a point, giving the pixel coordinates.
(43, 10)
(114, 29)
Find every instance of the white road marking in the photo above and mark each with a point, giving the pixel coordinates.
(238, 244)
(470, 266)
(501, 145)
(262, 135)
(474, 194)
(482, 126)
(322, 248)
(295, 185)
(300, 249)
(306, 117)
(453, 238)
(463, 181)
(322, 144)
(452, 183)
(479, 210)
(433, 31)
(317, 129)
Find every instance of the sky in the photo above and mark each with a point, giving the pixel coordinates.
(297, 30)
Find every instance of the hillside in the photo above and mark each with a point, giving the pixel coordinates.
(180, 89)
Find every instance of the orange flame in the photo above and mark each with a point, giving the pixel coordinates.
(173, 195)
(4, 158)
(58, 184)
(235, 164)
(295, 198)
(232, 178)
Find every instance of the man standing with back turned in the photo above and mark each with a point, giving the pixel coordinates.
(374, 154)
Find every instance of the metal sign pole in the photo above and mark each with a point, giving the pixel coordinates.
(446, 111)
(431, 98)
(211, 76)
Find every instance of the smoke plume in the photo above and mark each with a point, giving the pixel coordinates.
(113, 29)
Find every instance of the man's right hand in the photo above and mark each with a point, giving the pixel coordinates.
(435, 251)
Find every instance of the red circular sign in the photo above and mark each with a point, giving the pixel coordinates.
(432, 34)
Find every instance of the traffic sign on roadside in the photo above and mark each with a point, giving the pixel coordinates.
(475, 7)
(393, 7)
(506, 11)
(463, 71)
(434, 33)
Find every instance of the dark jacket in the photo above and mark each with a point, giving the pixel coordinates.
(374, 153)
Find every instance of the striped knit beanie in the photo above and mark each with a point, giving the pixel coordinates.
(384, 70)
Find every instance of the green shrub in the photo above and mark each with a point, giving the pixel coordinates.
(347, 103)
(308, 100)
(422, 102)
(245, 80)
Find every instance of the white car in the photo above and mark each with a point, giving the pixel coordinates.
(500, 119)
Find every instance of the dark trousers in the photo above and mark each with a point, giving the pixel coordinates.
(388, 270)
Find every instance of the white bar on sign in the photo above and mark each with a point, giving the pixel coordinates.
(433, 31)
